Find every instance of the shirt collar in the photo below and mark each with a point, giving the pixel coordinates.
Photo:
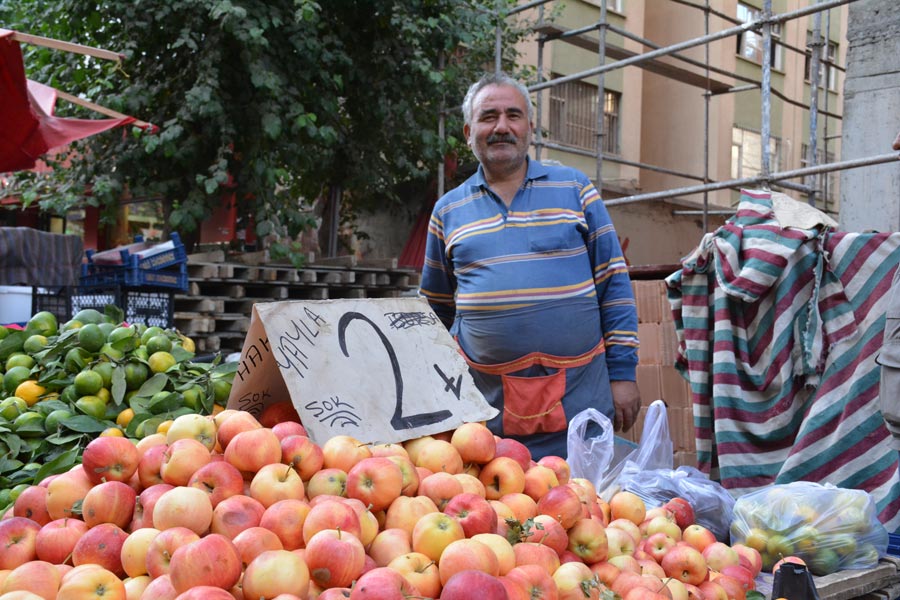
(535, 170)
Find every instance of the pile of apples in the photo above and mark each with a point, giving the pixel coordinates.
(222, 507)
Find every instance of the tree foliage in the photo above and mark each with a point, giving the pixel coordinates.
(279, 100)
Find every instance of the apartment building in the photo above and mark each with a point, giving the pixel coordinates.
(677, 121)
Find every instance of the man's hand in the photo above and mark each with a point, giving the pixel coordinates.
(627, 401)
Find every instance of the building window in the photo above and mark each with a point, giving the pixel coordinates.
(827, 73)
(616, 5)
(573, 116)
(825, 184)
(750, 43)
(746, 153)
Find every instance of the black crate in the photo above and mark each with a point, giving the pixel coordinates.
(52, 299)
(140, 305)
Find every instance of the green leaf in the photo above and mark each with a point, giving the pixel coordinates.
(12, 343)
(180, 354)
(155, 384)
(272, 126)
(137, 419)
(115, 314)
(60, 464)
(58, 439)
(165, 402)
(13, 442)
(86, 424)
(10, 465)
(118, 385)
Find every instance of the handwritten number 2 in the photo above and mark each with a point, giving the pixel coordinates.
(398, 420)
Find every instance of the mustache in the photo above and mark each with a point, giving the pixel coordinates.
(502, 138)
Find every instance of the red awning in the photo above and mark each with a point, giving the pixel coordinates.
(28, 127)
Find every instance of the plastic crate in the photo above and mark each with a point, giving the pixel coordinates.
(52, 299)
(893, 544)
(148, 306)
(176, 278)
(158, 256)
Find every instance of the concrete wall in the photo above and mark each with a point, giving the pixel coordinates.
(870, 196)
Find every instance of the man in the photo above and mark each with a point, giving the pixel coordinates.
(523, 265)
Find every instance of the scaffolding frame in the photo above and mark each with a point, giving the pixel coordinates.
(766, 178)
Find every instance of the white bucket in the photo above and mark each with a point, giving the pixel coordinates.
(15, 304)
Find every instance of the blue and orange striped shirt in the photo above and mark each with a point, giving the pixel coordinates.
(555, 242)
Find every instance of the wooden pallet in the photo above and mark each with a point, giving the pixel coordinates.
(218, 304)
(881, 582)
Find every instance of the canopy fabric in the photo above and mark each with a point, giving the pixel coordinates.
(28, 127)
(778, 332)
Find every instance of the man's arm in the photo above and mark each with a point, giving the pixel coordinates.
(438, 285)
(618, 310)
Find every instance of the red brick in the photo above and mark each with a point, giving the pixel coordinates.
(674, 388)
(681, 428)
(648, 383)
(685, 459)
(646, 295)
(668, 344)
(648, 335)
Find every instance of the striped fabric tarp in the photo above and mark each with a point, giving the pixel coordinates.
(32, 257)
(778, 331)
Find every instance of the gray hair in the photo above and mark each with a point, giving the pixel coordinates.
(498, 78)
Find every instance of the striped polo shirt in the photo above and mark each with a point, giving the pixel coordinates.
(555, 242)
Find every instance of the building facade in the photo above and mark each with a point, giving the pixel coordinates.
(681, 120)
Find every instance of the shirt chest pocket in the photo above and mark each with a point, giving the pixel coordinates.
(547, 242)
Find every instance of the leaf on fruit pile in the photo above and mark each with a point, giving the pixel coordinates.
(115, 314)
(155, 384)
(165, 403)
(10, 465)
(60, 464)
(118, 385)
(86, 424)
(58, 439)
(12, 343)
(13, 442)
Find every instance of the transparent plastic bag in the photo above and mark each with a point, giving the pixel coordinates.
(830, 528)
(712, 503)
(601, 459)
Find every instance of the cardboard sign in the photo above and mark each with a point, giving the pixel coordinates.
(379, 370)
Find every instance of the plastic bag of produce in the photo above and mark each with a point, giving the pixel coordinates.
(602, 458)
(712, 503)
(830, 528)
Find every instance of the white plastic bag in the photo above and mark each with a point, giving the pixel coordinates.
(601, 459)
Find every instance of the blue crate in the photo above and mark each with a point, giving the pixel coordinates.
(176, 278)
(893, 544)
(160, 260)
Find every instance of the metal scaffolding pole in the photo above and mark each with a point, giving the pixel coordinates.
(737, 183)
(668, 50)
(601, 94)
(763, 24)
(815, 47)
(765, 91)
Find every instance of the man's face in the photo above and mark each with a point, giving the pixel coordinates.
(500, 131)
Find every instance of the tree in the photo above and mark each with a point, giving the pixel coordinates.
(281, 101)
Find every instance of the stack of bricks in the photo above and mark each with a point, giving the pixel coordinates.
(657, 377)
